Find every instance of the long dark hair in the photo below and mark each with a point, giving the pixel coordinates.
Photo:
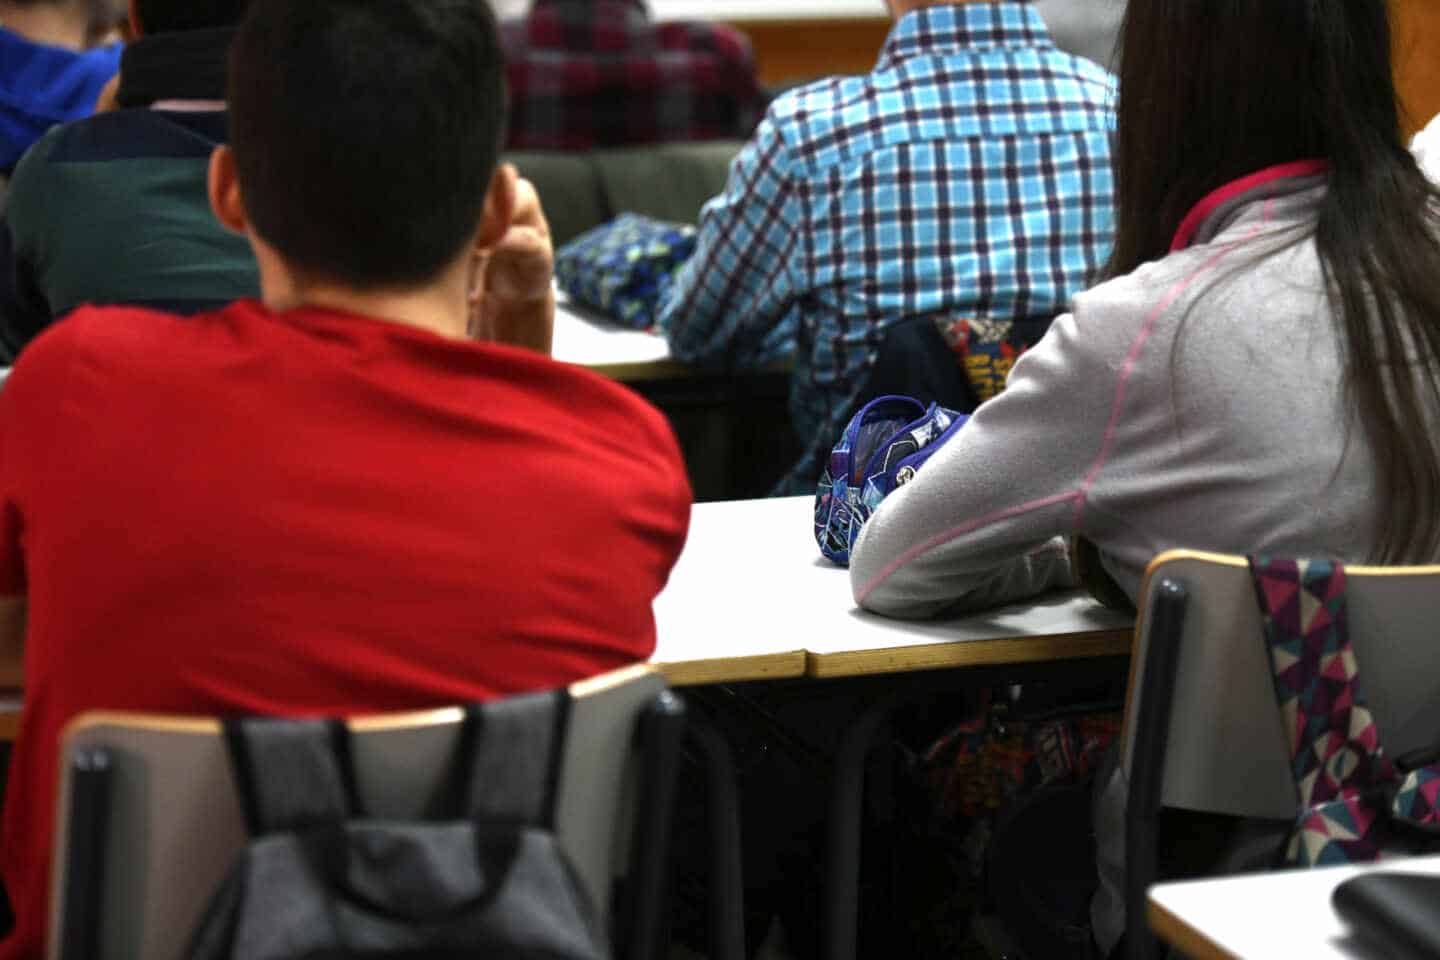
(1213, 90)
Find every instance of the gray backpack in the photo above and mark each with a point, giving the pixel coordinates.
(484, 877)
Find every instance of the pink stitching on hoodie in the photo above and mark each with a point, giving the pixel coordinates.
(1133, 357)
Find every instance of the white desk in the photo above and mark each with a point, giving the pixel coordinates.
(1266, 916)
(585, 338)
(752, 587)
(724, 615)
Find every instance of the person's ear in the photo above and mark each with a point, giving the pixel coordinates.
(224, 188)
(137, 29)
(499, 207)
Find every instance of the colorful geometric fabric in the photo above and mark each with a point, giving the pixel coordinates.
(625, 267)
(881, 449)
(985, 762)
(1418, 799)
(987, 349)
(1350, 794)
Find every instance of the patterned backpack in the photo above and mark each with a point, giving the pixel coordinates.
(1356, 803)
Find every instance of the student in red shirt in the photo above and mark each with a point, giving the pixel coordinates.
(333, 500)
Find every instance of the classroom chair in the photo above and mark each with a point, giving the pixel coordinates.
(149, 818)
(1202, 730)
(669, 181)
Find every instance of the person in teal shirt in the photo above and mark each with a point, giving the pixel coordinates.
(112, 209)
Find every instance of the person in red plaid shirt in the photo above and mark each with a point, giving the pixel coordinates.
(600, 73)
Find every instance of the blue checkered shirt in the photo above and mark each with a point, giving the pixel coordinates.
(968, 175)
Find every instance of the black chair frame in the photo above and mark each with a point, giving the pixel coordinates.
(1147, 763)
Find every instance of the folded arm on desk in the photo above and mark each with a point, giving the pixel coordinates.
(984, 522)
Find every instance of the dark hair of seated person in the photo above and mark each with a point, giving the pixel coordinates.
(1246, 84)
(169, 16)
(366, 132)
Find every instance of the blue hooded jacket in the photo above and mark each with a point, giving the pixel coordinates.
(41, 86)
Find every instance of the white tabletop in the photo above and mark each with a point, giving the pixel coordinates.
(1266, 916)
(588, 339)
(722, 616)
(751, 583)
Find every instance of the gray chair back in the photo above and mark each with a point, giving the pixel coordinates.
(669, 181)
(175, 822)
(1227, 751)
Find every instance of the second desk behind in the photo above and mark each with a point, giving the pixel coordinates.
(734, 428)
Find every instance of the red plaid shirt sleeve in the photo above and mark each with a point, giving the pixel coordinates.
(598, 73)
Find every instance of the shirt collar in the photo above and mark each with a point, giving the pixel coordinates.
(966, 26)
(1210, 215)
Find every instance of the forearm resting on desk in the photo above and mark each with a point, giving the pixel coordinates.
(918, 593)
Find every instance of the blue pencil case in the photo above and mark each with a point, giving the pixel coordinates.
(880, 450)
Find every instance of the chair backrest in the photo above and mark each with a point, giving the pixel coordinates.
(173, 822)
(1227, 751)
(666, 181)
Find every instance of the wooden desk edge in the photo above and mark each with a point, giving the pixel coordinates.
(640, 371)
(1181, 935)
(768, 666)
(970, 653)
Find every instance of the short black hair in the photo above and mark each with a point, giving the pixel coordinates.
(366, 132)
(168, 16)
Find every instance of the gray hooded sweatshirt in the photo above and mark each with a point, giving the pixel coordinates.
(1196, 402)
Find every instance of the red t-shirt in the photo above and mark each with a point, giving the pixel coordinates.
(310, 513)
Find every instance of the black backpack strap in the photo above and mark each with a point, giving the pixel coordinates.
(515, 747)
(291, 774)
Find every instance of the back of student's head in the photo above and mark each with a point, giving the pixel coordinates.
(1212, 90)
(168, 16)
(366, 132)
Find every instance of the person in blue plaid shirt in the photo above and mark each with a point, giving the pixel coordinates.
(967, 178)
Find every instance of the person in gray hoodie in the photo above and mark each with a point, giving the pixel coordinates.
(1260, 373)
